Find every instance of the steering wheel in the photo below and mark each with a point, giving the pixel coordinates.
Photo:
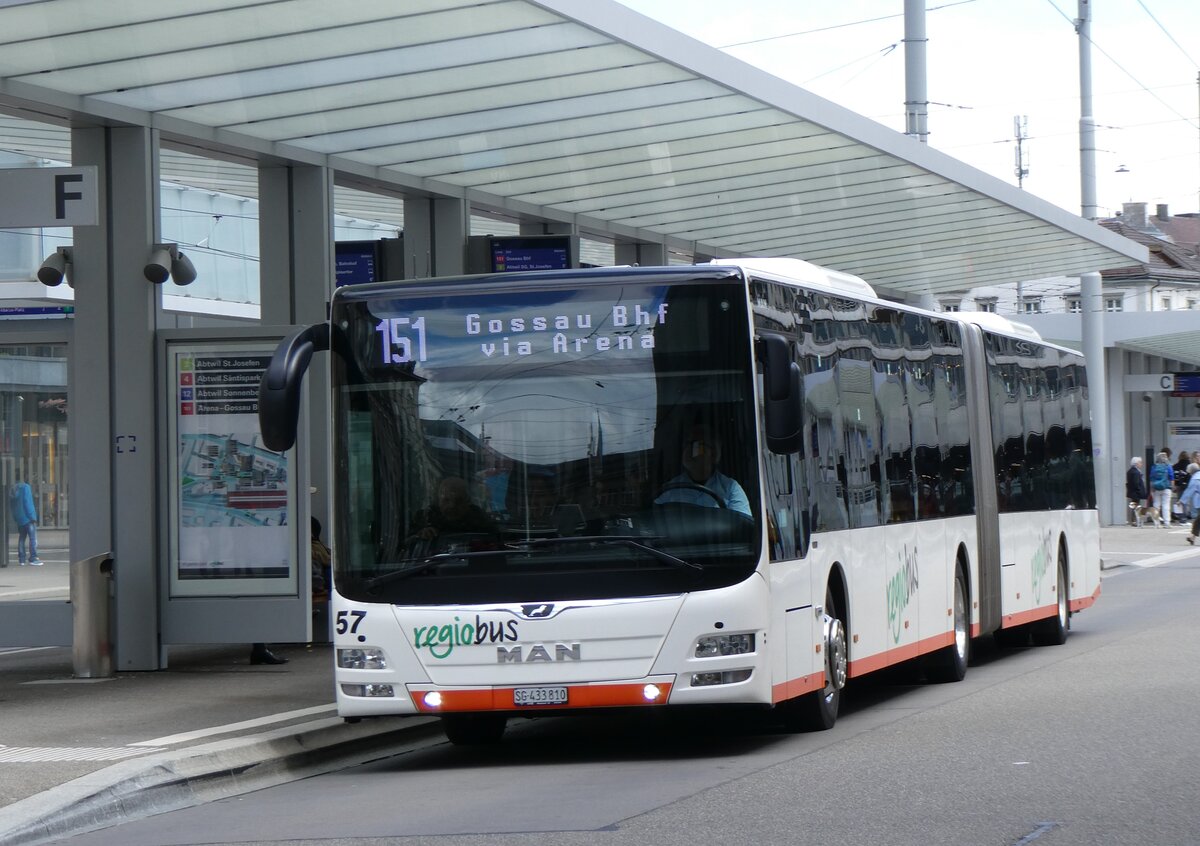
(691, 486)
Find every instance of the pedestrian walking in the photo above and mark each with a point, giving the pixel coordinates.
(1135, 488)
(1162, 477)
(1180, 467)
(1190, 498)
(24, 514)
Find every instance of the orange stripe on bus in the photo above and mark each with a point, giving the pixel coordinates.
(578, 696)
(1047, 611)
(1023, 617)
(1086, 602)
(871, 663)
(797, 687)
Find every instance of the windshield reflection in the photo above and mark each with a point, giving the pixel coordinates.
(513, 461)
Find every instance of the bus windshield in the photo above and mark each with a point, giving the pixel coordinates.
(545, 439)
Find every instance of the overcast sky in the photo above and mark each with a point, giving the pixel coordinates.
(989, 61)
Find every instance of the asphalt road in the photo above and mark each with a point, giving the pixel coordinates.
(1093, 742)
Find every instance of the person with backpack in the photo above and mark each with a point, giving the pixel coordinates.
(24, 514)
(1162, 481)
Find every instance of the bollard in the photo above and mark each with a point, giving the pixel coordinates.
(91, 645)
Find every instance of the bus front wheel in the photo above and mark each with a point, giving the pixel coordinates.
(474, 729)
(818, 711)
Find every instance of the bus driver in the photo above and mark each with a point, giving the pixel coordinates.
(701, 455)
(452, 513)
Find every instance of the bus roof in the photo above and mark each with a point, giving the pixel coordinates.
(993, 322)
(798, 270)
(803, 272)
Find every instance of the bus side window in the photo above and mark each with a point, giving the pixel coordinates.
(783, 524)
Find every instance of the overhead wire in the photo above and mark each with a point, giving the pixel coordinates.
(1123, 70)
(874, 54)
(1167, 33)
(833, 26)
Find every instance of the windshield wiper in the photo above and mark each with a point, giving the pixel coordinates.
(429, 563)
(631, 541)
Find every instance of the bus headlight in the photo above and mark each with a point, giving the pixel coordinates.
(366, 658)
(713, 646)
(727, 677)
(368, 690)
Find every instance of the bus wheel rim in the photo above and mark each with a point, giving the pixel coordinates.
(1062, 599)
(960, 622)
(835, 655)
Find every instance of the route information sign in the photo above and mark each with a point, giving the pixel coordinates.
(232, 495)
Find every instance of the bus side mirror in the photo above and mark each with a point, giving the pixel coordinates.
(782, 381)
(279, 388)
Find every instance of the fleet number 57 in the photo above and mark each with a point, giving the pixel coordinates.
(345, 623)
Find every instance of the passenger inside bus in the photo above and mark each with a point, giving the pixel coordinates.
(701, 483)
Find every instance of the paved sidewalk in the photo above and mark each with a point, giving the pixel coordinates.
(77, 754)
(1128, 545)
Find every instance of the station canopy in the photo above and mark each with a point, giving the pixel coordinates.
(579, 111)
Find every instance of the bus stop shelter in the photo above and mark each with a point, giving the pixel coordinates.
(573, 115)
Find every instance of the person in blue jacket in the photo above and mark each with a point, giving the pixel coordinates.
(1162, 481)
(24, 514)
(1190, 498)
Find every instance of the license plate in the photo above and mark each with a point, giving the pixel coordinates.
(539, 696)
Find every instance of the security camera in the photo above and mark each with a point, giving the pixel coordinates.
(158, 269)
(56, 268)
(183, 272)
(167, 262)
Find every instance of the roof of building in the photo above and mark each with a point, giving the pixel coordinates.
(1182, 229)
(579, 111)
(1169, 263)
(1166, 261)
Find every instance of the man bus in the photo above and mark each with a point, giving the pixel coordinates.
(910, 481)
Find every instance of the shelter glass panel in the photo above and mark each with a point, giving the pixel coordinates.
(34, 452)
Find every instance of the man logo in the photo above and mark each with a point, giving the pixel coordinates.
(538, 653)
(534, 612)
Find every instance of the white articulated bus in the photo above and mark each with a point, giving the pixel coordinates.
(524, 521)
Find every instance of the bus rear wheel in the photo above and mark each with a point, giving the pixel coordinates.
(1053, 631)
(818, 711)
(950, 664)
(474, 729)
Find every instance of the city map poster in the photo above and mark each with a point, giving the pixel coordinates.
(233, 495)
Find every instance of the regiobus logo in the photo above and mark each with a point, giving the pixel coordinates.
(1039, 565)
(900, 590)
(441, 640)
